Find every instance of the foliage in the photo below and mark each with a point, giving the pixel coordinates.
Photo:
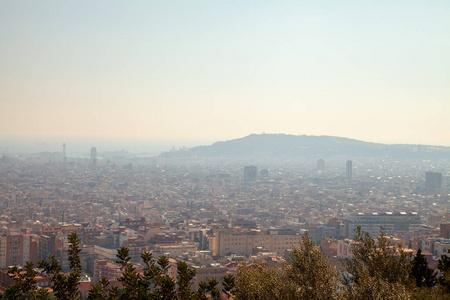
(371, 287)
(311, 273)
(207, 290)
(378, 270)
(258, 281)
(134, 286)
(102, 291)
(379, 259)
(423, 275)
(185, 276)
(65, 286)
(307, 275)
(155, 283)
(24, 286)
(444, 267)
(229, 285)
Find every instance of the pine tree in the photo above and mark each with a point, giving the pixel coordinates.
(65, 286)
(228, 285)
(102, 291)
(24, 286)
(185, 276)
(378, 269)
(444, 266)
(134, 286)
(381, 258)
(207, 290)
(311, 273)
(258, 281)
(73, 279)
(423, 275)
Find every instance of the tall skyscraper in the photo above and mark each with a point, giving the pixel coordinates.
(320, 164)
(93, 156)
(250, 173)
(64, 154)
(433, 181)
(349, 169)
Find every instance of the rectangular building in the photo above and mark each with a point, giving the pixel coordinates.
(16, 249)
(274, 240)
(389, 221)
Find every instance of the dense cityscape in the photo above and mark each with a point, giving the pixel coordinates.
(210, 216)
(224, 150)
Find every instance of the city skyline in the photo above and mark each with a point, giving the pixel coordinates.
(202, 72)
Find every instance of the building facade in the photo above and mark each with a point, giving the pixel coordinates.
(16, 249)
(389, 221)
(226, 242)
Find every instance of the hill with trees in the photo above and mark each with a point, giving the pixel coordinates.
(294, 146)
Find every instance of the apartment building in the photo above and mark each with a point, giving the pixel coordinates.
(390, 221)
(242, 243)
(16, 249)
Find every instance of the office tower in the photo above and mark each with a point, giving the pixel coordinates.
(349, 169)
(64, 153)
(250, 173)
(433, 181)
(444, 230)
(320, 164)
(93, 156)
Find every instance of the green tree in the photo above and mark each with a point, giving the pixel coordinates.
(134, 286)
(375, 288)
(207, 290)
(257, 281)
(310, 272)
(185, 276)
(444, 266)
(380, 257)
(378, 269)
(13, 292)
(423, 275)
(24, 285)
(307, 275)
(102, 291)
(228, 285)
(65, 286)
(157, 274)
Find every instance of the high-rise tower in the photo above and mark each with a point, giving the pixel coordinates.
(250, 173)
(64, 154)
(433, 181)
(93, 156)
(349, 169)
(320, 165)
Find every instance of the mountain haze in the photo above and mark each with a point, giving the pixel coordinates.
(284, 145)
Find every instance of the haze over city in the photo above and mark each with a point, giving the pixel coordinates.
(243, 149)
(187, 73)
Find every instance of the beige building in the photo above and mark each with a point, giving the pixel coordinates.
(207, 273)
(242, 243)
(344, 248)
(174, 250)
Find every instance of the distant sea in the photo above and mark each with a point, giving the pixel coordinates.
(81, 146)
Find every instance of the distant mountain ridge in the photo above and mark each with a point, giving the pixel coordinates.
(285, 145)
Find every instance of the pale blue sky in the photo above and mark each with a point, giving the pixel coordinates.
(213, 70)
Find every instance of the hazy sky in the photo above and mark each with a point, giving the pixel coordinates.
(213, 70)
